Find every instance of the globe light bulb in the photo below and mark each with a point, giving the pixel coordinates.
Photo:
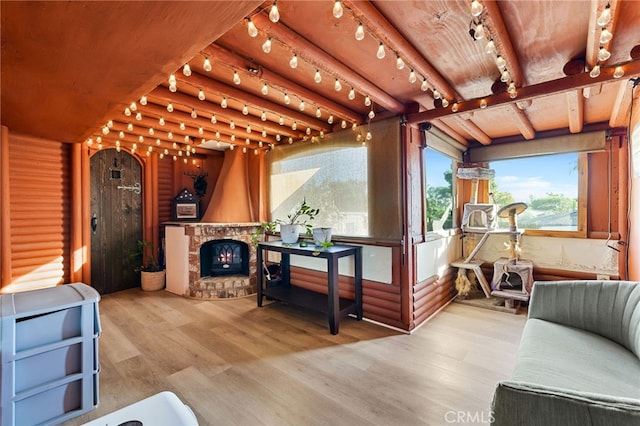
(504, 77)
(151, 131)
(603, 54)
(170, 107)
(501, 63)
(317, 77)
(281, 121)
(367, 101)
(293, 63)
(194, 114)
(182, 126)
(245, 110)
(264, 133)
(343, 124)
(200, 130)
(236, 78)
(454, 107)
(130, 127)
(223, 103)
(490, 47)
(476, 8)
(206, 64)
(263, 117)
(479, 32)
(605, 17)
(274, 14)
(214, 120)
(595, 71)
(127, 112)
(425, 85)
(381, 53)
(618, 72)
(399, 63)
(352, 94)
(445, 103)
(170, 136)
(186, 70)
(360, 32)
(483, 103)
(265, 89)
(605, 36)
(337, 85)
(369, 136)
(412, 77)
(294, 126)
(143, 100)
(436, 94)
(248, 128)
(266, 46)
(121, 134)
(330, 119)
(138, 116)
(371, 115)
(337, 9)
(318, 113)
(201, 95)
(301, 106)
(287, 99)
(251, 29)
(232, 125)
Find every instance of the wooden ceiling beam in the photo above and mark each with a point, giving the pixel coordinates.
(322, 60)
(283, 84)
(211, 86)
(502, 40)
(575, 111)
(547, 88)
(224, 114)
(449, 131)
(383, 30)
(474, 131)
(620, 114)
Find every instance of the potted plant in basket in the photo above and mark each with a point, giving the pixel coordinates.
(152, 276)
(302, 215)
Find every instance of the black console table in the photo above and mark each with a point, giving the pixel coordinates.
(329, 303)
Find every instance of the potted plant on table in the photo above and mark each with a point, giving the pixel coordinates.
(152, 276)
(302, 215)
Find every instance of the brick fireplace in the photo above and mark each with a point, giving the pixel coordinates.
(211, 260)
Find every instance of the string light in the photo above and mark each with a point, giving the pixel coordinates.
(618, 72)
(143, 100)
(266, 46)
(274, 14)
(206, 64)
(214, 120)
(265, 89)
(223, 103)
(236, 77)
(399, 63)
(293, 63)
(352, 94)
(170, 107)
(186, 70)
(412, 77)
(317, 77)
(337, 9)
(337, 86)
(360, 32)
(251, 29)
(194, 114)
(245, 110)
(381, 53)
(201, 95)
(605, 16)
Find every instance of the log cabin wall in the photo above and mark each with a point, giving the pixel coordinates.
(36, 212)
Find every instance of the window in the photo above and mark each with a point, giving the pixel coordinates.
(335, 181)
(551, 187)
(439, 190)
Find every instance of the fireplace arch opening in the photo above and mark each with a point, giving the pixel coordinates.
(224, 257)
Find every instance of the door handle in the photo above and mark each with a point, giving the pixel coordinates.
(94, 223)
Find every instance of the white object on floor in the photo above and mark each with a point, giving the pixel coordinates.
(164, 408)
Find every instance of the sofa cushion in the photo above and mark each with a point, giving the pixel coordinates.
(564, 357)
(608, 308)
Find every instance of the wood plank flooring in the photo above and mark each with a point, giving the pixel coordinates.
(236, 364)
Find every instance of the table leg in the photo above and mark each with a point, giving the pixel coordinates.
(334, 296)
(358, 282)
(260, 276)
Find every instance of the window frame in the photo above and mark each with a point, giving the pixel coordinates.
(455, 220)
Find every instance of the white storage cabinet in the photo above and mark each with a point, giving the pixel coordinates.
(49, 354)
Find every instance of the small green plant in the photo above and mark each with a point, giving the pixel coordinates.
(147, 255)
(326, 244)
(303, 215)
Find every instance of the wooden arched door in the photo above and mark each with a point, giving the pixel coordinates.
(116, 219)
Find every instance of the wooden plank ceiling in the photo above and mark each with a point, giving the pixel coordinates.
(71, 70)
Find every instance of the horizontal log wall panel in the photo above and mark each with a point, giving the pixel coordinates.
(431, 295)
(165, 190)
(40, 208)
(380, 302)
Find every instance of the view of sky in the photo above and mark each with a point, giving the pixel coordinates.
(532, 176)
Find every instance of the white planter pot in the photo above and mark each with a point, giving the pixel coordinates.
(321, 235)
(152, 281)
(289, 233)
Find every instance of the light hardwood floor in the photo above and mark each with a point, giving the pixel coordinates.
(236, 364)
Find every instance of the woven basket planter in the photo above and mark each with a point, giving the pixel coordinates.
(152, 281)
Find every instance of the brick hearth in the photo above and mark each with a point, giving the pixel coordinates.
(221, 287)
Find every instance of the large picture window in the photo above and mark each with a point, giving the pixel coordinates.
(550, 185)
(335, 181)
(439, 193)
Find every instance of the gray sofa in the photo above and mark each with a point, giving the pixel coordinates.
(579, 358)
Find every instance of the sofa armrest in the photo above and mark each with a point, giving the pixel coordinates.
(608, 308)
(528, 404)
